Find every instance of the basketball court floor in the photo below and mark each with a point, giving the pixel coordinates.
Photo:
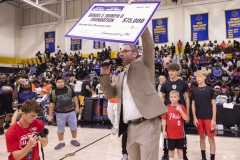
(98, 144)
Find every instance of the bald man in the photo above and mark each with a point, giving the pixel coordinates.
(161, 80)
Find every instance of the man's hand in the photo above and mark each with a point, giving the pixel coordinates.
(213, 124)
(196, 122)
(32, 140)
(186, 121)
(165, 135)
(106, 69)
(42, 140)
(77, 110)
(50, 118)
(131, 1)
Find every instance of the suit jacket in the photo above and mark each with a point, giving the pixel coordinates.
(141, 82)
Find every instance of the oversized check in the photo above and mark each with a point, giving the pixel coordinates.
(114, 22)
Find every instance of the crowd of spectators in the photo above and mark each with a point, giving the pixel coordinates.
(223, 73)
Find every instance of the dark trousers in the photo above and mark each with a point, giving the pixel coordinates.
(124, 143)
(165, 148)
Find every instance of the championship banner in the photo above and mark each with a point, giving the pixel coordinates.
(232, 23)
(160, 30)
(114, 22)
(76, 44)
(199, 27)
(49, 38)
(99, 44)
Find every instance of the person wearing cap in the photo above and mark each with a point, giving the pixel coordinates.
(65, 104)
(217, 90)
(139, 105)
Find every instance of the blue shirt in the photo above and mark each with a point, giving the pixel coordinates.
(217, 72)
(97, 68)
(22, 96)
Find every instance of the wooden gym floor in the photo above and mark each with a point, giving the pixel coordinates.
(98, 144)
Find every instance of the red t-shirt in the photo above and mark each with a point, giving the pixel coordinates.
(175, 122)
(16, 139)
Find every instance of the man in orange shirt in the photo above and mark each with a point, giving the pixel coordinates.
(112, 115)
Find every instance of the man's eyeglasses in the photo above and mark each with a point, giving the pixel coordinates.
(125, 51)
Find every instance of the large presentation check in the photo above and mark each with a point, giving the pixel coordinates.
(114, 22)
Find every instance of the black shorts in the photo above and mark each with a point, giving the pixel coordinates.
(175, 143)
(6, 110)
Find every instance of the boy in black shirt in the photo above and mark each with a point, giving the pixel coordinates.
(204, 113)
(182, 87)
(61, 101)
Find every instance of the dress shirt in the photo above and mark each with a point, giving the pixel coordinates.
(130, 111)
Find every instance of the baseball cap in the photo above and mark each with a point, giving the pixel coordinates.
(216, 87)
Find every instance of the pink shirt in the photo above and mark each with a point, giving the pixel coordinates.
(166, 60)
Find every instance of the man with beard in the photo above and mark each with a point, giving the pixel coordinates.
(6, 102)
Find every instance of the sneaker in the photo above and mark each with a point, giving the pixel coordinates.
(114, 131)
(59, 146)
(75, 143)
(125, 157)
(185, 157)
(6, 126)
(165, 157)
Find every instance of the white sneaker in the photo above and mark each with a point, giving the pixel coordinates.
(114, 131)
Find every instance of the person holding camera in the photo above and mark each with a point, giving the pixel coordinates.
(22, 137)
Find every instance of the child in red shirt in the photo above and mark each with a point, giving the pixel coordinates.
(20, 140)
(174, 120)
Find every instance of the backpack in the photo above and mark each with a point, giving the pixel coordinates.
(54, 98)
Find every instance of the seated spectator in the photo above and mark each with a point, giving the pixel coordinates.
(225, 78)
(166, 59)
(184, 75)
(205, 47)
(225, 66)
(230, 47)
(211, 80)
(217, 71)
(46, 88)
(224, 89)
(222, 55)
(223, 45)
(184, 62)
(194, 66)
(236, 94)
(217, 90)
(236, 75)
(208, 71)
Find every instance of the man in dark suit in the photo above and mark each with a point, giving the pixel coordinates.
(139, 105)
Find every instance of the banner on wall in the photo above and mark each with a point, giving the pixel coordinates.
(49, 38)
(199, 27)
(232, 18)
(160, 30)
(76, 44)
(99, 44)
